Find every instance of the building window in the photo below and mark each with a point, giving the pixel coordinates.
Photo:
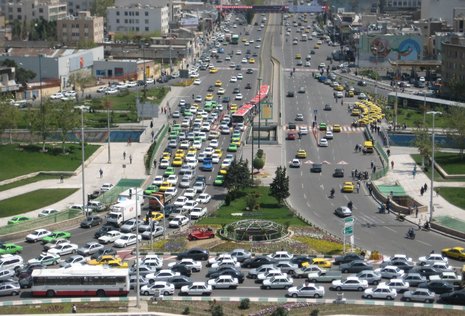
(146, 13)
(137, 13)
(146, 29)
(146, 21)
(117, 21)
(117, 13)
(125, 13)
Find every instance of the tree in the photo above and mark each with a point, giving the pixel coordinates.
(280, 311)
(423, 143)
(279, 188)
(22, 75)
(238, 177)
(456, 124)
(9, 118)
(79, 80)
(65, 119)
(258, 163)
(41, 121)
(99, 8)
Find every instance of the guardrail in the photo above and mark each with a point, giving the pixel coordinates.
(381, 153)
(154, 148)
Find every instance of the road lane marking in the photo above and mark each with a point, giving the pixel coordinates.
(425, 243)
(393, 230)
(305, 196)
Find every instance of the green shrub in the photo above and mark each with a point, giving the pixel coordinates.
(217, 310)
(245, 303)
(315, 312)
(186, 311)
(280, 311)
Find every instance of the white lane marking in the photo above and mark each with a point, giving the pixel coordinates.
(305, 196)
(302, 183)
(425, 243)
(393, 230)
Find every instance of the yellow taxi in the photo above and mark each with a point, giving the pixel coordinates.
(166, 155)
(179, 153)
(350, 94)
(251, 60)
(301, 153)
(336, 128)
(165, 186)
(236, 141)
(219, 152)
(177, 162)
(218, 83)
(157, 216)
(322, 262)
(118, 264)
(102, 260)
(348, 187)
(356, 112)
(192, 150)
(213, 70)
(209, 97)
(233, 108)
(224, 171)
(339, 88)
(298, 56)
(457, 253)
(316, 46)
(244, 40)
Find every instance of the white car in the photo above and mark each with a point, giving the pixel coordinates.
(323, 142)
(233, 78)
(382, 291)
(173, 191)
(244, 61)
(220, 257)
(432, 258)
(306, 290)
(173, 179)
(47, 212)
(73, 260)
(162, 275)
(361, 96)
(111, 91)
(198, 212)
(164, 163)
(57, 96)
(226, 163)
(238, 96)
(295, 163)
(329, 135)
(45, 259)
(181, 200)
(158, 180)
(399, 285)
(221, 91)
(279, 282)
(190, 205)
(37, 235)
(190, 193)
(64, 249)
(390, 272)
(126, 240)
(281, 256)
(399, 257)
(160, 287)
(270, 274)
(178, 221)
(351, 283)
(204, 198)
(214, 143)
(196, 288)
(109, 237)
(196, 266)
(239, 76)
(224, 282)
(303, 130)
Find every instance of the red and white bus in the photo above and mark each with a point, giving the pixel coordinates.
(80, 281)
(247, 111)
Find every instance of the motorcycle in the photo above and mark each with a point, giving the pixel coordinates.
(410, 235)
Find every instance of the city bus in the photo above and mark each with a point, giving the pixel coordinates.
(246, 112)
(80, 281)
(235, 39)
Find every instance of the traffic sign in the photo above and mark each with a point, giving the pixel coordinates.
(348, 231)
(349, 220)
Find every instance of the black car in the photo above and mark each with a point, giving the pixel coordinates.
(290, 94)
(91, 221)
(103, 252)
(456, 298)
(316, 167)
(227, 271)
(194, 253)
(249, 71)
(438, 287)
(347, 258)
(362, 83)
(327, 107)
(236, 90)
(238, 67)
(26, 270)
(211, 88)
(338, 173)
(180, 281)
(248, 86)
(403, 265)
(181, 268)
(257, 262)
(226, 99)
(425, 271)
(103, 230)
(95, 194)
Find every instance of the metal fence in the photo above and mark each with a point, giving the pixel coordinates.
(39, 222)
(382, 154)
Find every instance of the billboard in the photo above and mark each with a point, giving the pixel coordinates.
(375, 50)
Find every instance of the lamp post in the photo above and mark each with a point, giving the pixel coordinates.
(107, 105)
(83, 164)
(432, 168)
(259, 110)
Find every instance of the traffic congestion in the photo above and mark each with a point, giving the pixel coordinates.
(207, 132)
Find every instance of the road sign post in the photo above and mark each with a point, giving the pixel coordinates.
(348, 231)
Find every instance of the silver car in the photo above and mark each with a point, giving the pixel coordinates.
(7, 274)
(370, 276)
(306, 290)
(73, 260)
(279, 282)
(224, 282)
(419, 295)
(90, 248)
(9, 289)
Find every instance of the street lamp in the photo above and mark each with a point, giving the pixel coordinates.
(432, 168)
(259, 110)
(84, 206)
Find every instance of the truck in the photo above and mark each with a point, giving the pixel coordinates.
(130, 194)
(122, 212)
(324, 276)
(159, 200)
(227, 37)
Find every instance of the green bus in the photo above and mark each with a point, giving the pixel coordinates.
(235, 39)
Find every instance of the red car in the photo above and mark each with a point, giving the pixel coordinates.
(201, 234)
(291, 136)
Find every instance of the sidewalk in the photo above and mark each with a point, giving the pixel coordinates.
(119, 168)
(402, 175)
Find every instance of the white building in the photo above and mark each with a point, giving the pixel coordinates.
(29, 10)
(403, 4)
(138, 18)
(442, 9)
(74, 6)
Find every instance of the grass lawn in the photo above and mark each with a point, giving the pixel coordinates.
(452, 163)
(32, 201)
(437, 175)
(17, 161)
(414, 118)
(65, 308)
(19, 183)
(99, 119)
(454, 196)
(269, 210)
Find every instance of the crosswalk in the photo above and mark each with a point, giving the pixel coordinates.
(347, 129)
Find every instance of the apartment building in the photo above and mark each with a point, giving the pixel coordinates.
(75, 6)
(453, 56)
(72, 30)
(29, 10)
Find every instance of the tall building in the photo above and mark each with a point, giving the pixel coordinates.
(443, 9)
(453, 59)
(138, 18)
(28, 10)
(82, 28)
(75, 6)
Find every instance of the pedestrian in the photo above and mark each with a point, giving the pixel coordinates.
(100, 172)
(151, 124)
(416, 209)
(61, 178)
(422, 191)
(153, 135)
(358, 186)
(353, 173)
(374, 169)
(154, 164)
(425, 187)
(388, 152)
(370, 190)
(130, 159)
(74, 309)
(414, 172)
(372, 164)
(392, 164)
(124, 155)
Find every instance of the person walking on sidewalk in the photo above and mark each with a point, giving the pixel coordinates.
(61, 178)
(124, 155)
(422, 191)
(425, 187)
(130, 159)
(358, 186)
(100, 172)
(392, 164)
